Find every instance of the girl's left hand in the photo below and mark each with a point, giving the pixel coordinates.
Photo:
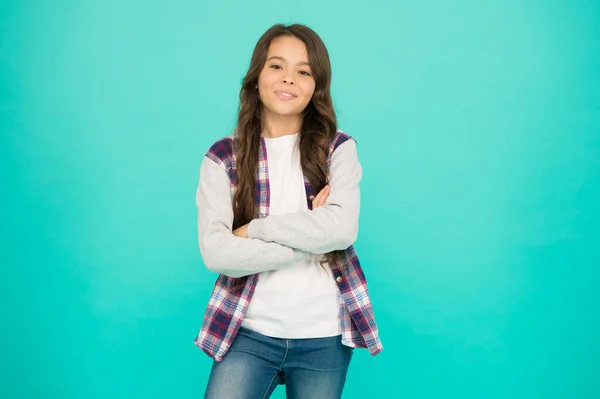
(321, 198)
(241, 232)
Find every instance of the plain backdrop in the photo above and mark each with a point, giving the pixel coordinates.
(478, 129)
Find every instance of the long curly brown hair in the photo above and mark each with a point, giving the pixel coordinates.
(318, 129)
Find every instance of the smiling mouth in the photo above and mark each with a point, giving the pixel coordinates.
(284, 95)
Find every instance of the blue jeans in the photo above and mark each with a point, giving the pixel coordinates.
(255, 364)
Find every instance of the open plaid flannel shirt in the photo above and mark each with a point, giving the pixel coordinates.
(226, 307)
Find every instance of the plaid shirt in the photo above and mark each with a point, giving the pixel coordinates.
(226, 307)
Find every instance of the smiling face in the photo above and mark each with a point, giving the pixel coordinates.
(286, 84)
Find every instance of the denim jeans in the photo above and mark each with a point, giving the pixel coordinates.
(255, 364)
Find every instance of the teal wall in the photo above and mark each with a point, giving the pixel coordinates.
(479, 133)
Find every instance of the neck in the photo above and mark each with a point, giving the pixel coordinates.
(280, 125)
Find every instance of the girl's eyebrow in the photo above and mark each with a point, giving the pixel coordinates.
(283, 59)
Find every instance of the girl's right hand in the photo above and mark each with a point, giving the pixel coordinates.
(321, 198)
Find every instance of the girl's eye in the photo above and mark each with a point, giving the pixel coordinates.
(305, 73)
(275, 66)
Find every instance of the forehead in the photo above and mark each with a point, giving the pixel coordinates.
(290, 48)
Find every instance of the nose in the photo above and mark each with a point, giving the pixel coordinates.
(288, 81)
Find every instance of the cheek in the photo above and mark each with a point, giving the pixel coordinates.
(262, 89)
(261, 82)
(268, 76)
(265, 84)
(309, 90)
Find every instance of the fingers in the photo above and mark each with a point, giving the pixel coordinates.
(241, 232)
(321, 198)
(317, 200)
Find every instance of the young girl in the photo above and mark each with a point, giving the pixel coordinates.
(278, 206)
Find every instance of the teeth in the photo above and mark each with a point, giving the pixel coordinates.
(286, 94)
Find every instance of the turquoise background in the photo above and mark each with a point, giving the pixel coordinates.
(478, 126)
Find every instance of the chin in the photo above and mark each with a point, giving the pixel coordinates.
(286, 111)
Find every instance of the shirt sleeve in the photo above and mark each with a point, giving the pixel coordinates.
(333, 226)
(221, 251)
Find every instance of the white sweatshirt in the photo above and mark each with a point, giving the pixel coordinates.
(278, 241)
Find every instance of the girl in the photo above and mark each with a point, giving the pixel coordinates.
(278, 206)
